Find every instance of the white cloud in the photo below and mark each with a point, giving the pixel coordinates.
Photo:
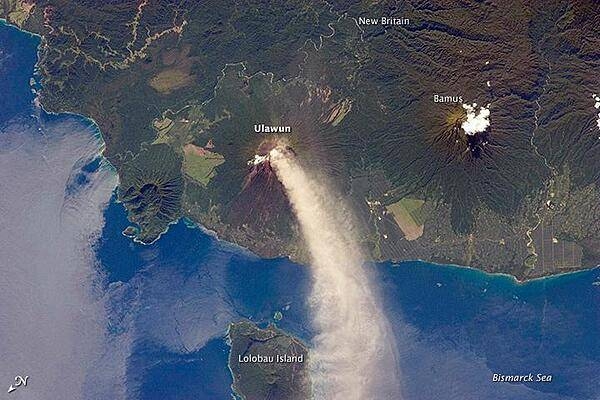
(597, 106)
(52, 320)
(477, 121)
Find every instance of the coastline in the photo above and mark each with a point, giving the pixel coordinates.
(238, 247)
(167, 304)
(394, 263)
(4, 21)
(514, 280)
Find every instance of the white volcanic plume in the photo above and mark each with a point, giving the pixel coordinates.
(354, 353)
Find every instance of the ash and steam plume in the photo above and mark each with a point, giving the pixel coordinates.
(354, 353)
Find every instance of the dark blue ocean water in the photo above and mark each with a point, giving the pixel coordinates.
(455, 327)
(444, 316)
(18, 56)
(221, 282)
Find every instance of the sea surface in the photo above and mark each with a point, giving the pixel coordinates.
(131, 321)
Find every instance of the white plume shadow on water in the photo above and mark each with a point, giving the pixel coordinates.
(354, 354)
(52, 319)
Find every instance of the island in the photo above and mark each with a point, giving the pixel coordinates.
(267, 363)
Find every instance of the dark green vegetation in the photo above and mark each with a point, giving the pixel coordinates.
(522, 197)
(151, 189)
(267, 379)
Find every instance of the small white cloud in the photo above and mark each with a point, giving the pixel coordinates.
(597, 106)
(477, 121)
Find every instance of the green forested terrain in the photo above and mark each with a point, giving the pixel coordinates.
(521, 197)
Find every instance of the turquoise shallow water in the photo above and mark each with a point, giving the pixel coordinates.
(171, 303)
(455, 326)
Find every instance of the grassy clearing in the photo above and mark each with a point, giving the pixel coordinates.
(408, 214)
(170, 80)
(199, 163)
